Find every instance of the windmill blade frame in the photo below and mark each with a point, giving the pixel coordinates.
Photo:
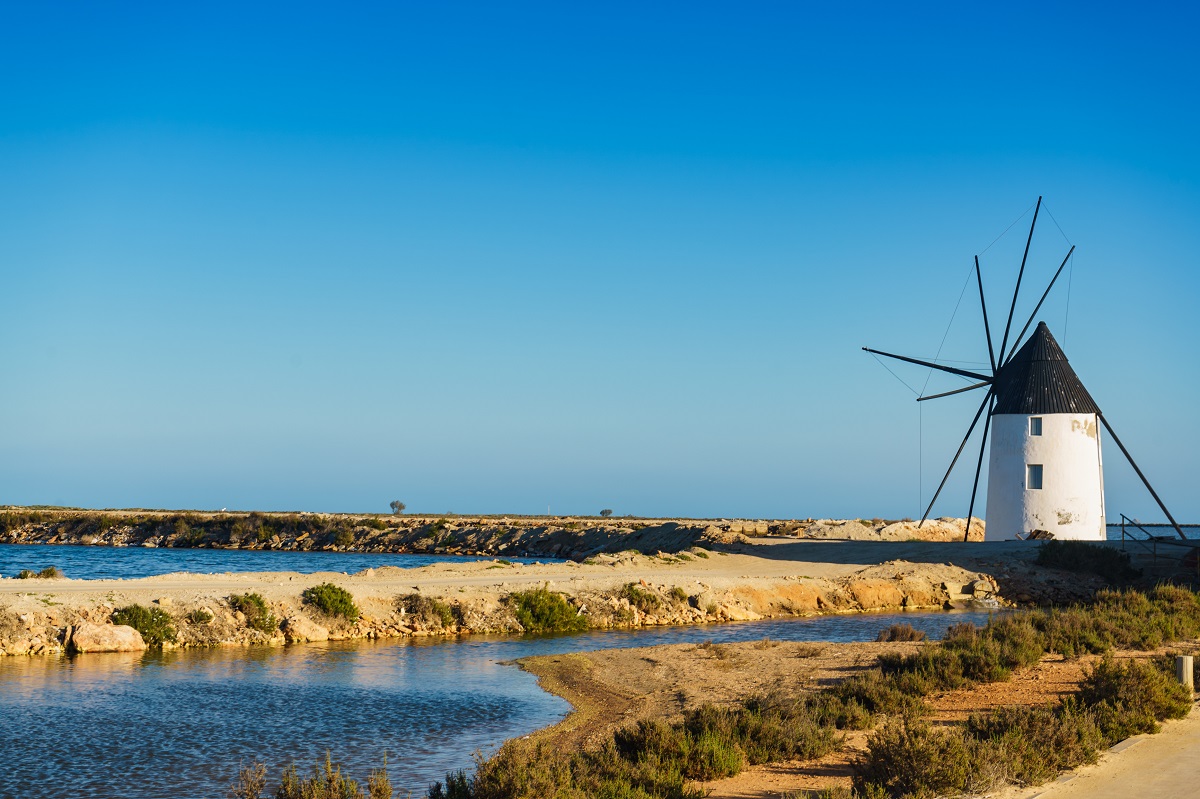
(1020, 274)
(961, 446)
(1032, 316)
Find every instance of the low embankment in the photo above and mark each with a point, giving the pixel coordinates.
(575, 538)
(53, 615)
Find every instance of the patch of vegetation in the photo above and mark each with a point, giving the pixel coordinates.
(900, 632)
(1131, 698)
(326, 782)
(679, 594)
(155, 624)
(332, 600)
(198, 616)
(256, 610)
(431, 612)
(541, 611)
(968, 654)
(375, 523)
(700, 553)
(48, 573)
(640, 598)
(1080, 556)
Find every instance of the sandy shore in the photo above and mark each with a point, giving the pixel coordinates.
(752, 580)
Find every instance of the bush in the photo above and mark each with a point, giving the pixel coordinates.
(332, 600)
(199, 616)
(1131, 698)
(540, 611)
(876, 693)
(968, 654)
(645, 601)
(328, 782)
(906, 757)
(343, 537)
(679, 594)
(1036, 743)
(431, 612)
(154, 624)
(48, 573)
(1080, 556)
(256, 610)
(900, 632)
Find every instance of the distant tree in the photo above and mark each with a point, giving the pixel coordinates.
(606, 512)
(398, 506)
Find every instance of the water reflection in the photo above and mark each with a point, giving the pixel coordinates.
(105, 563)
(178, 723)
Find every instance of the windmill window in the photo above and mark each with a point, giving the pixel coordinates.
(1033, 476)
(1035, 425)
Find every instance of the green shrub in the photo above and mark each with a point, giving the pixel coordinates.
(256, 610)
(1131, 698)
(154, 624)
(458, 786)
(700, 553)
(328, 782)
(343, 537)
(643, 600)
(679, 594)
(432, 612)
(968, 654)
(48, 573)
(906, 757)
(900, 632)
(332, 600)
(541, 611)
(1036, 743)
(198, 616)
(1080, 556)
(877, 693)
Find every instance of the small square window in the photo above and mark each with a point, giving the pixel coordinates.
(1035, 425)
(1033, 476)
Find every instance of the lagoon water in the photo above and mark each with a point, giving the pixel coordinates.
(177, 724)
(106, 563)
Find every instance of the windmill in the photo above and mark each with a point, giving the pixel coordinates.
(1046, 473)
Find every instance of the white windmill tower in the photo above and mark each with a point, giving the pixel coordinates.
(1046, 473)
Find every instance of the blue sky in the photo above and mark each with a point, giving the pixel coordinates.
(489, 258)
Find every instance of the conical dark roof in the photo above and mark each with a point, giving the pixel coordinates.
(1039, 380)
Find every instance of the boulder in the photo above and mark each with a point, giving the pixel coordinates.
(298, 629)
(89, 637)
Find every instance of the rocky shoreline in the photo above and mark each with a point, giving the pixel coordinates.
(629, 590)
(573, 538)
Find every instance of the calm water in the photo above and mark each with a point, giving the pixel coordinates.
(1114, 531)
(101, 563)
(177, 724)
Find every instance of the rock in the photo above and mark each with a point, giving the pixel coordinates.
(89, 637)
(981, 588)
(298, 629)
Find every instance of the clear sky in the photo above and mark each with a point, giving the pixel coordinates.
(493, 257)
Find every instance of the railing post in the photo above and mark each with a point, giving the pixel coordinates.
(1184, 671)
